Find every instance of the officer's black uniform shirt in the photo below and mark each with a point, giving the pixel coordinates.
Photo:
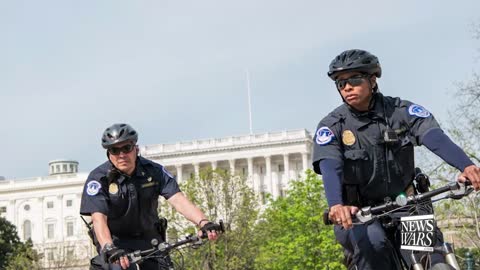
(374, 168)
(130, 203)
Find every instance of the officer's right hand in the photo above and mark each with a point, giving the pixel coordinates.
(342, 215)
(113, 255)
(471, 173)
(209, 230)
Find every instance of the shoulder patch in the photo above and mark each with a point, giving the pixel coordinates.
(93, 187)
(167, 172)
(324, 136)
(418, 110)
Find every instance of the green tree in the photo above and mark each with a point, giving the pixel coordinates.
(464, 129)
(291, 234)
(8, 240)
(221, 196)
(24, 257)
(13, 253)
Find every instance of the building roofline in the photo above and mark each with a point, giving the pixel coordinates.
(225, 143)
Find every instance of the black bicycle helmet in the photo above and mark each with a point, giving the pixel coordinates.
(118, 133)
(355, 60)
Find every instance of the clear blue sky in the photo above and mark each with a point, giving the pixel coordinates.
(175, 70)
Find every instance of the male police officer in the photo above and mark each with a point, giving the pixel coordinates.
(121, 195)
(364, 151)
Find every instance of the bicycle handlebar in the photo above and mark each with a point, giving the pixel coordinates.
(455, 191)
(164, 248)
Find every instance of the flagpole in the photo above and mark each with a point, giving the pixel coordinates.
(249, 102)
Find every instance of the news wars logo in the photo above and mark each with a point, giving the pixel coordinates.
(418, 233)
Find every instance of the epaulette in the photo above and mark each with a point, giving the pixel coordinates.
(336, 116)
(404, 103)
(149, 168)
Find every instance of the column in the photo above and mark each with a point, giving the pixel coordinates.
(179, 173)
(61, 223)
(268, 173)
(232, 166)
(39, 225)
(286, 167)
(250, 178)
(80, 228)
(305, 162)
(214, 165)
(196, 167)
(12, 211)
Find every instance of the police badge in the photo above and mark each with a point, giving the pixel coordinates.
(348, 138)
(113, 188)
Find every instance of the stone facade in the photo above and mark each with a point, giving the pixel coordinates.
(268, 160)
(46, 210)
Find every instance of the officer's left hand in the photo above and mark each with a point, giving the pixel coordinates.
(113, 255)
(342, 215)
(471, 173)
(209, 229)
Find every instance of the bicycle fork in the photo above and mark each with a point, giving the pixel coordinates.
(446, 250)
(450, 258)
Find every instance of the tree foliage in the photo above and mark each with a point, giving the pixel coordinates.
(464, 129)
(65, 257)
(221, 196)
(15, 255)
(8, 240)
(24, 257)
(291, 234)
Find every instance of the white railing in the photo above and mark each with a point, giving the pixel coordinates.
(45, 180)
(225, 142)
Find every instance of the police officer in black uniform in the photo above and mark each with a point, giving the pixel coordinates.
(364, 152)
(121, 196)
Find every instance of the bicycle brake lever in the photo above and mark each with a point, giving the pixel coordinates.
(134, 257)
(461, 191)
(364, 215)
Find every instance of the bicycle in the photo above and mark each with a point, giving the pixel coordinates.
(414, 226)
(161, 251)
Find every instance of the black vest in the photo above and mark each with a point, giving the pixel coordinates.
(374, 169)
(133, 203)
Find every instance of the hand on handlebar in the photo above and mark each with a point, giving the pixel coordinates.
(113, 255)
(342, 215)
(471, 173)
(210, 230)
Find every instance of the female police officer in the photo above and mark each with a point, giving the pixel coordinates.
(121, 195)
(364, 151)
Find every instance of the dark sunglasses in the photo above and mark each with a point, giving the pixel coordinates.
(124, 149)
(353, 81)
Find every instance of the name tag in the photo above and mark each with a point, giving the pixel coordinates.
(151, 184)
(418, 233)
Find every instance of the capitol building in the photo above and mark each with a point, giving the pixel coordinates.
(45, 209)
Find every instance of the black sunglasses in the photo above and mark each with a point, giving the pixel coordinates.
(353, 81)
(124, 149)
